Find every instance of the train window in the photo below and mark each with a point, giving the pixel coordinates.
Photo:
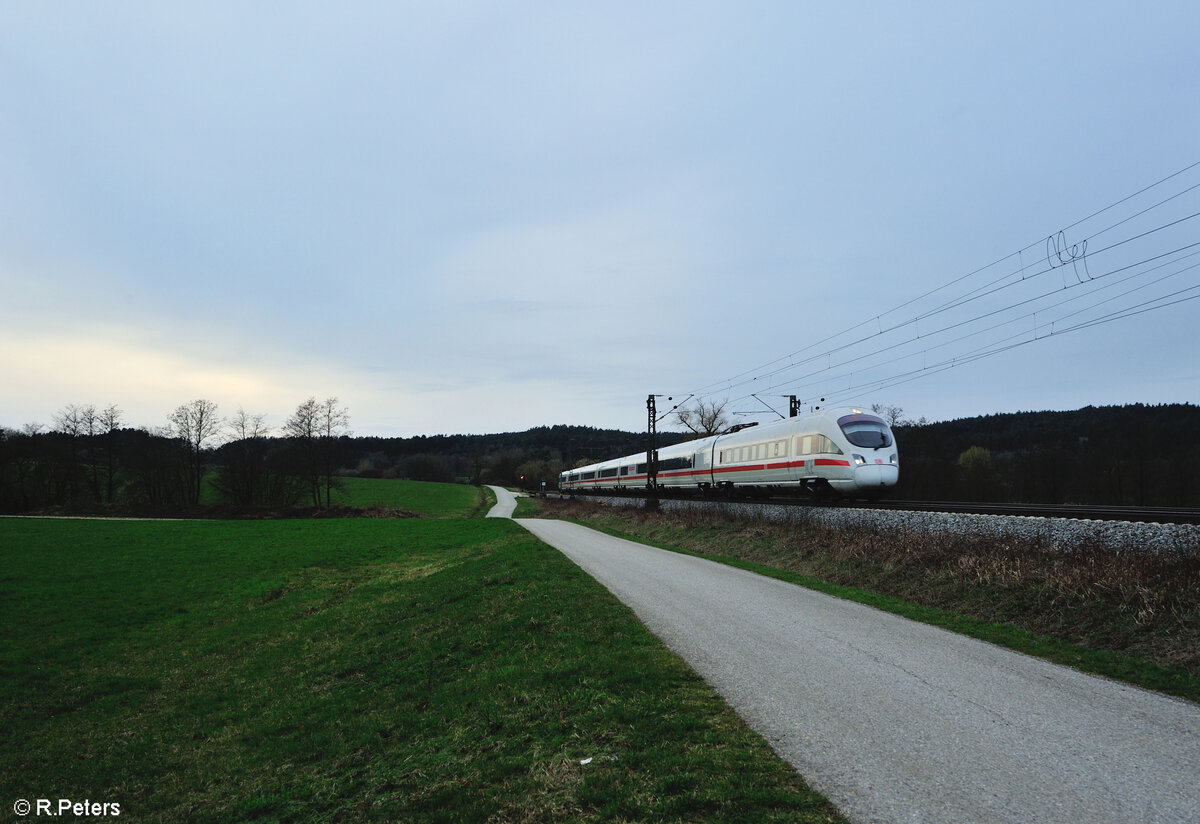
(608, 473)
(866, 431)
(778, 449)
(806, 445)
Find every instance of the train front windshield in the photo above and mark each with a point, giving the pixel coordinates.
(866, 431)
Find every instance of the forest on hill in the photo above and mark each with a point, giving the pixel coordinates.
(1133, 455)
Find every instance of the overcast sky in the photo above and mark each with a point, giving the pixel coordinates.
(482, 217)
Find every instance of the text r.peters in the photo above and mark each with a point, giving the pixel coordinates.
(65, 806)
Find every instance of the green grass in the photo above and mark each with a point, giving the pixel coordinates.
(353, 670)
(434, 500)
(528, 508)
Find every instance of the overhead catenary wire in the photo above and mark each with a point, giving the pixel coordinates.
(977, 311)
(972, 355)
(958, 324)
(706, 389)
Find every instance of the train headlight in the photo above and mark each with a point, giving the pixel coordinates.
(895, 459)
(859, 460)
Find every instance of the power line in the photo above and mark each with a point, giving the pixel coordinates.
(1058, 255)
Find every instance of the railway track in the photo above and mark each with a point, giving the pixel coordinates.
(1131, 514)
(1128, 514)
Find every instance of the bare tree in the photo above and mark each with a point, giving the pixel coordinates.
(316, 429)
(67, 420)
(334, 422)
(301, 430)
(335, 425)
(76, 423)
(894, 415)
(243, 476)
(245, 426)
(90, 426)
(195, 423)
(704, 418)
(110, 422)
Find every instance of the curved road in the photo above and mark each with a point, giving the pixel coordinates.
(506, 503)
(897, 721)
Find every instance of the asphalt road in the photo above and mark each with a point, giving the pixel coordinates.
(896, 721)
(506, 503)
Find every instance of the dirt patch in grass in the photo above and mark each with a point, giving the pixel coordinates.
(1140, 604)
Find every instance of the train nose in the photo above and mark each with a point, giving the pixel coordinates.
(876, 477)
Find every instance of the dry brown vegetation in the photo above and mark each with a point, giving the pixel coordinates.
(1140, 604)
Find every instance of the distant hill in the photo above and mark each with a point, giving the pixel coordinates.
(1134, 455)
(538, 454)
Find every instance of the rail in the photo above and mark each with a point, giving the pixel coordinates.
(1129, 514)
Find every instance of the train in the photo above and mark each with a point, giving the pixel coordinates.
(826, 454)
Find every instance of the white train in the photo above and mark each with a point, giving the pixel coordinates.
(828, 453)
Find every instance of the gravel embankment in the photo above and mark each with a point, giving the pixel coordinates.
(1060, 533)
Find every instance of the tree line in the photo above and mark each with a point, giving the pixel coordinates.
(522, 459)
(1132, 455)
(89, 457)
(1128, 455)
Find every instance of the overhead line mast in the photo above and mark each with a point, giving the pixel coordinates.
(651, 453)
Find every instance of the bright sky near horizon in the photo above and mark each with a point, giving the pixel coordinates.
(482, 217)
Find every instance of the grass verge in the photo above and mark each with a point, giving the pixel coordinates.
(1130, 616)
(528, 507)
(431, 500)
(354, 670)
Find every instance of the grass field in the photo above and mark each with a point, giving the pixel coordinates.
(415, 670)
(426, 499)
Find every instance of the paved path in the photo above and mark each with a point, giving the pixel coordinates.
(506, 503)
(897, 721)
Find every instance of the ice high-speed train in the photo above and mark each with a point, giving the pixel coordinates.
(827, 453)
